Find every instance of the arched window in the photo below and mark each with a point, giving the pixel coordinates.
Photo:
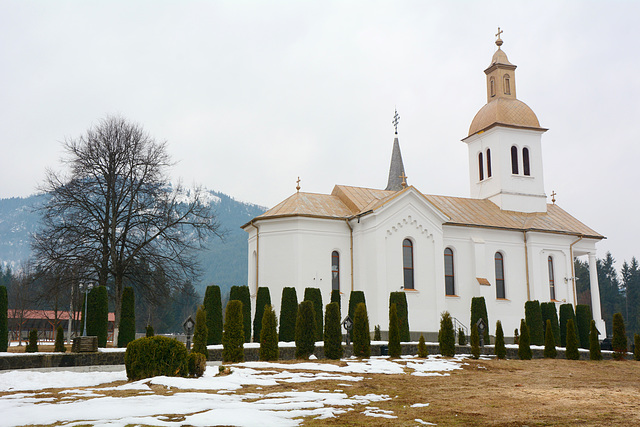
(449, 277)
(335, 270)
(492, 84)
(514, 160)
(407, 263)
(552, 281)
(480, 166)
(507, 84)
(499, 262)
(488, 163)
(525, 161)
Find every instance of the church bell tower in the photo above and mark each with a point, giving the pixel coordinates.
(504, 142)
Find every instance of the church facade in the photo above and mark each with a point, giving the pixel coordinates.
(504, 243)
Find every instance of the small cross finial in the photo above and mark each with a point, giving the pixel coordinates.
(404, 179)
(298, 185)
(499, 40)
(396, 120)
(553, 197)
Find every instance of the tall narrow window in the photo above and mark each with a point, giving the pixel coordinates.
(449, 282)
(507, 84)
(335, 270)
(492, 83)
(525, 161)
(514, 160)
(407, 263)
(552, 281)
(480, 166)
(488, 163)
(499, 262)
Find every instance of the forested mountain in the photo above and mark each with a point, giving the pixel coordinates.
(224, 263)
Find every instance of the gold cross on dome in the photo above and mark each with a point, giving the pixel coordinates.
(553, 197)
(396, 120)
(404, 179)
(298, 184)
(499, 40)
(499, 32)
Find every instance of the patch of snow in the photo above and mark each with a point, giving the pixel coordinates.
(419, 405)
(20, 380)
(425, 423)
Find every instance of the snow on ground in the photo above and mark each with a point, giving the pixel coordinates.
(90, 398)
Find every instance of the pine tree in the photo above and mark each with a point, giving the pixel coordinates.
(263, 299)
(127, 330)
(630, 273)
(572, 352)
(149, 331)
(201, 333)
(376, 333)
(566, 313)
(233, 334)
(395, 349)
(4, 319)
(213, 308)
(475, 342)
(32, 347)
(361, 337)
(288, 315)
(446, 336)
(583, 322)
(332, 332)
(549, 312)
(533, 318)
(636, 346)
(269, 350)
(611, 299)
(355, 298)
(315, 296)
(594, 343)
(462, 338)
(98, 314)
(241, 293)
(335, 297)
(524, 347)
(479, 310)
(422, 348)
(619, 340)
(59, 344)
(305, 330)
(400, 300)
(500, 348)
(550, 351)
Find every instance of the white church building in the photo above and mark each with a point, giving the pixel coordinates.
(504, 243)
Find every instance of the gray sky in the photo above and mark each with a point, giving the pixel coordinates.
(251, 95)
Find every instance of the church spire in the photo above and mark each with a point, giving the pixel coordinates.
(397, 176)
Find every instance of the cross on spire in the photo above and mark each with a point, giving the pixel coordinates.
(396, 120)
(553, 197)
(404, 179)
(298, 185)
(499, 40)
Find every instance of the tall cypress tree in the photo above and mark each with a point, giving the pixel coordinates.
(500, 347)
(475, 342)
(4, 324)
(594, 343)
(479, 310)
(332, 332)
(550, 351)
(242, 294)
(127, 330)
(305, 330)
(524, 346)
(583, 322)
(263, 299)
(533, 318)
(269, 335)
(566, 313)
(98, 314)
(361, 337)
(213, 308)
(355, 298)
(288, 315)
(395, 349)
(233, 334)
(315, 296)
(549, 312)
(446, 335)
(335, 297)
(572, 352)
(400, 300)
(619, 340)
(200, 334)
(59, 343)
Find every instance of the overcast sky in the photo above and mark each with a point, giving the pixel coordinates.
(250, 95)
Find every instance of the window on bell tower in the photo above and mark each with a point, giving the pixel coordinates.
(525, 161)
(492, 85)
(507, 84)
(514, 160)
(480, 166)
(488, 163)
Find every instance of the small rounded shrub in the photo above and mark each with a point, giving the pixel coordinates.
(59, 344)
(32, 347)
(422, 348)
(153, 356)
(197, 364)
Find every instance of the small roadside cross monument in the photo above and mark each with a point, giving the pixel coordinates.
(481, 328)
(347, 323)
(188, 329)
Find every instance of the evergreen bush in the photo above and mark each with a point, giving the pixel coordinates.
(395, 349)
(263, 299)
(533, 318)
(400, 300)
(335, 297)
(475, 342)
(213, 308)
(355, 298)
(594, 343)
(196, 363)
(233, 334)
(583, 322)
(619, 340)
(500, 347)
(127, 330)
(550, 351)
(549, 312)
(32, 347)
(566, 313)
(4, 319)
(422, 348)
(524, 346)
(446, 335)
(479, 310)
(269, 350)
(155, 356)
(361, 337)
(288, 315)
(242, 294)
(636, 346)
(377, 336)
(59, 344)
(332, 332)
(149, 332)
(305, 330)
(98, 314)
(200, 333)
(462, 338)
(572, 352)
(315, 296)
